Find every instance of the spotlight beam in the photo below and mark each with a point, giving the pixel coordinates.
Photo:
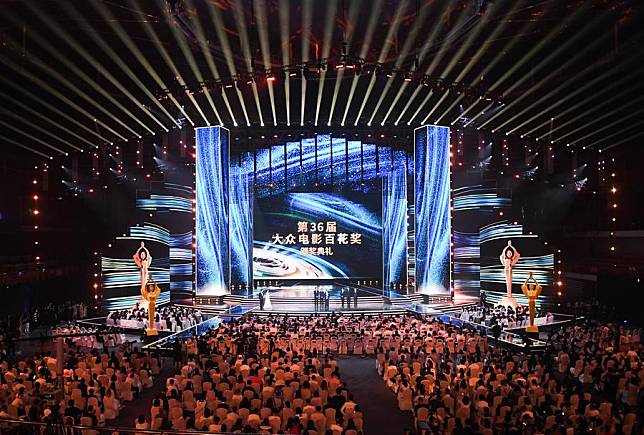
(457, 57)
(353, 16)
(127, 41)
(482, 112)
(381, 58)
(637, 101)
(116, 59)
(454, 103)
(488, 41)
(40, 129)
(55, 110)
(572, 109)
(438, 103)
(423, 53)
(560, 101)
(211, 66)
(87, 57)
(393, 29)
(18, 144)
(410, 39)
(364, 50)
(466, 111)
(500, 55)
(228, 55)
(307, 18)
(555, 72)
(262, 25)
(166, 57)
(630, 138)
(549, 37)
(589, 111)
(326, 49)
(575, 79)
(59, 95)
(240, 21)
(192, 64)
(617, 133)
(284, 17)
(46, 119)
(420, 106)
(34, 138)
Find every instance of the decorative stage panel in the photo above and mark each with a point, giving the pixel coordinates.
(212, 224)
(432, 209)
(241, 227)
(394, 228)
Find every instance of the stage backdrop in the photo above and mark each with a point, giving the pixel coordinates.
(361, 187)
(318, 235)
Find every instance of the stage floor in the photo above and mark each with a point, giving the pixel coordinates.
(299, 298)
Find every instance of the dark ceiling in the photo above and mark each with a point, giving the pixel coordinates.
(75, 74)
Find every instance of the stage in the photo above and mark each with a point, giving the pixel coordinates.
(299, 299)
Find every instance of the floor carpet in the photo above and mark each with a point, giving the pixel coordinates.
(378, 402)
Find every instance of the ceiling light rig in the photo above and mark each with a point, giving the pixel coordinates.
(333, 70)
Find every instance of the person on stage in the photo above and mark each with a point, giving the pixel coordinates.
(267, 300)
(261, 300)
(355, 297)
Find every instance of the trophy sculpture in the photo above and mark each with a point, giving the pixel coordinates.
(509, 258)
(149, 292)
(532, 290)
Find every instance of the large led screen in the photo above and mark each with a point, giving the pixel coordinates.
(315, 235)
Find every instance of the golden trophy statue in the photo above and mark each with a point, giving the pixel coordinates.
(151, 293)
(531, 290)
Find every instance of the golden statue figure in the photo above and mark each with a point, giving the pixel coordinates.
(509, 258)
(151, 293)
(532, 290)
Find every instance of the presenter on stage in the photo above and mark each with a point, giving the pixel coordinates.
(509, 258)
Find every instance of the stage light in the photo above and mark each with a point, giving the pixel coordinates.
(36, 212)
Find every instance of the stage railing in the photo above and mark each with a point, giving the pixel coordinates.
(199, 328)
(509, 338)
(21, 427)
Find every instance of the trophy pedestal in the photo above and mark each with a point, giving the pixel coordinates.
(151, 332)
(508, 301)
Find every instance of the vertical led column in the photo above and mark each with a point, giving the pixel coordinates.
(432, 209)
(213, 211)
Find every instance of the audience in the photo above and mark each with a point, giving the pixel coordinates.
(280, 375)
(92, 388)
(167, 318)
(274, 375)
(506, 317)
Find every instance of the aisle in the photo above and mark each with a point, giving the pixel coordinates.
(142, 405)
(378, 403)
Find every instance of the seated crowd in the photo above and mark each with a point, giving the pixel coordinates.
(93, 388)
(454, 382)
(506, 317)
(279, 375)
(167, 318)
(254, 375)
